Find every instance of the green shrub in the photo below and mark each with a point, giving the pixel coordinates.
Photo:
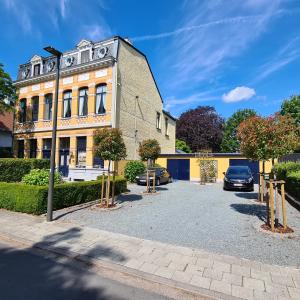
(293, 183)
(132, 169)
(290, 173)
(13, 169)
(40, 177)
(33, 199)
(282, 169)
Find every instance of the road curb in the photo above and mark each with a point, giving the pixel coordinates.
(122, 274)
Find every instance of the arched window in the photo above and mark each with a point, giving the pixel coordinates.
(23, 107)
(35, 108)
(48, 106)
(83, 102)
(101, 99)
(67, 104)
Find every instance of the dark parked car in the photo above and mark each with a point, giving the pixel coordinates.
(161, 176)
(238, 178)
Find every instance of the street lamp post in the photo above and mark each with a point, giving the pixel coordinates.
(58, 55)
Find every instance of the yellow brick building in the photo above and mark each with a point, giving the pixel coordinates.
(102, 84)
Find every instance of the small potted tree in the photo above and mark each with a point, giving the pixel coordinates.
(109, 145)
(149, 151)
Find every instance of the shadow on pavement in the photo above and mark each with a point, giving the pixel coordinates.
(26, 275)
(252, 210)
(129, 198)
(72, 209)
(247, 195)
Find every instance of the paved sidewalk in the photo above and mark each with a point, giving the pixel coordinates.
(219, 276)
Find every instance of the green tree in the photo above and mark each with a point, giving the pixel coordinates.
(181, 145)
(292, 107)
(109, 145)
(230, 142)
(7, 91)
(149, 150)
(268, 138)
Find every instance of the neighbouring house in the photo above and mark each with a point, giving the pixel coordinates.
(103, 84)
(6, 134)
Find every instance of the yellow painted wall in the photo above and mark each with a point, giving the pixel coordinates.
(222, 165)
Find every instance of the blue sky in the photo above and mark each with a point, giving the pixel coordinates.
(230, 54)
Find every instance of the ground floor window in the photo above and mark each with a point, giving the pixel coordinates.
(81, 151)
(47, 148)
(33, 148)
(21, 149)
(98, 162)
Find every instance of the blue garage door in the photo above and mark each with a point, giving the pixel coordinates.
(179, 168)
(253, 165)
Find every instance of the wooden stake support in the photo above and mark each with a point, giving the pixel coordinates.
(107, 189)
(150, 188)
(102, 188)
(283, 206)
(271, 205)
(273, 184)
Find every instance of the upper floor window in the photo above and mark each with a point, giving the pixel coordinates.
(36, 69)
(83, 102)
(23, 107)
(48, 106)
(35, 108)
(85, 56)
(101, 99)
(158, 121)
(67, 104)
(167, 126)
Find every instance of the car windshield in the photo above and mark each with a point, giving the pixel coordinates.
(238, 171)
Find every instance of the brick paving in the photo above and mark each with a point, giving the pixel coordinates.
(228, 275)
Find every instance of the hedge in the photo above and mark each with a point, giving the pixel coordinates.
(33, 199)
(290, 173)
(13, 169)
(282, 169)
(293, 184)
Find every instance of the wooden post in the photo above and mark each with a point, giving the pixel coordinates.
(147, 181)
(268, 201)
(283, 206)
(272, 205)
(102, 188)
(262, 187)
(113, 189)
(107, 189)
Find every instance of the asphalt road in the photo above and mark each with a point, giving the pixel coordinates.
(26, 275)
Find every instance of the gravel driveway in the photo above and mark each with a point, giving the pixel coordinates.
(194, 215)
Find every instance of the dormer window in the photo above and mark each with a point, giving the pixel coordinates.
(36, 69)
(85, 56)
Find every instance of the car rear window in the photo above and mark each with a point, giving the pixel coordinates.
(238, 171)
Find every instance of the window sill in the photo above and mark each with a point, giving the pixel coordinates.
(82, 117)
(96, 115)
(66, 118)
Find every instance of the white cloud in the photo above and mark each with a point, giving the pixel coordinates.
(63, 4)
(240, 93)
(95, 32)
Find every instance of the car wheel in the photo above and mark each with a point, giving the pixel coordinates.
(157, 181)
